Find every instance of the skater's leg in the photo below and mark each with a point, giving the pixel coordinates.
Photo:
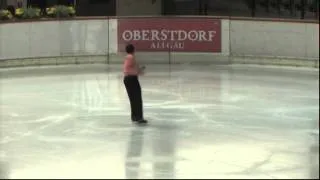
(138, 102)
(135, 93)
(129, 84)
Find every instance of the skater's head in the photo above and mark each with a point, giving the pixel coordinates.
(130, 49)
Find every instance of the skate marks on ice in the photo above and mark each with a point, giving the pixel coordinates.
(164, 151)
(194, 130)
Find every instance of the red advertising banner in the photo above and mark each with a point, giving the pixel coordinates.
(170, 34)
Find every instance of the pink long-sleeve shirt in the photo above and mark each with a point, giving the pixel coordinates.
(130, 66)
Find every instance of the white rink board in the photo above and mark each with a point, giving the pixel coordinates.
(242, 42)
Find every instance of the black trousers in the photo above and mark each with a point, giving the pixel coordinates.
(134, 93)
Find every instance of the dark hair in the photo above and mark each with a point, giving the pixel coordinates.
(130, 49)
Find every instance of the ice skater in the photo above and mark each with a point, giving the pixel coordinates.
(131, 72)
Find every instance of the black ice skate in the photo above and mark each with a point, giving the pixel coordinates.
(141, 121)
(133, 119)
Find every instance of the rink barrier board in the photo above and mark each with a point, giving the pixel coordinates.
(101, 60)
(240, 43)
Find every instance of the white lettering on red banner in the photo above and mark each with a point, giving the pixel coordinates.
(202, 35)
(165, 35)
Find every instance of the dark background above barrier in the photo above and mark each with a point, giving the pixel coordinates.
(292, 9)
(303, 9)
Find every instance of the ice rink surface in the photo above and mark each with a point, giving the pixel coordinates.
(205, 122)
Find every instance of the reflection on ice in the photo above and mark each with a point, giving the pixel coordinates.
(208, 122)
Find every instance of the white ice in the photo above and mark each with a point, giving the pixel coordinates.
(205, 122)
